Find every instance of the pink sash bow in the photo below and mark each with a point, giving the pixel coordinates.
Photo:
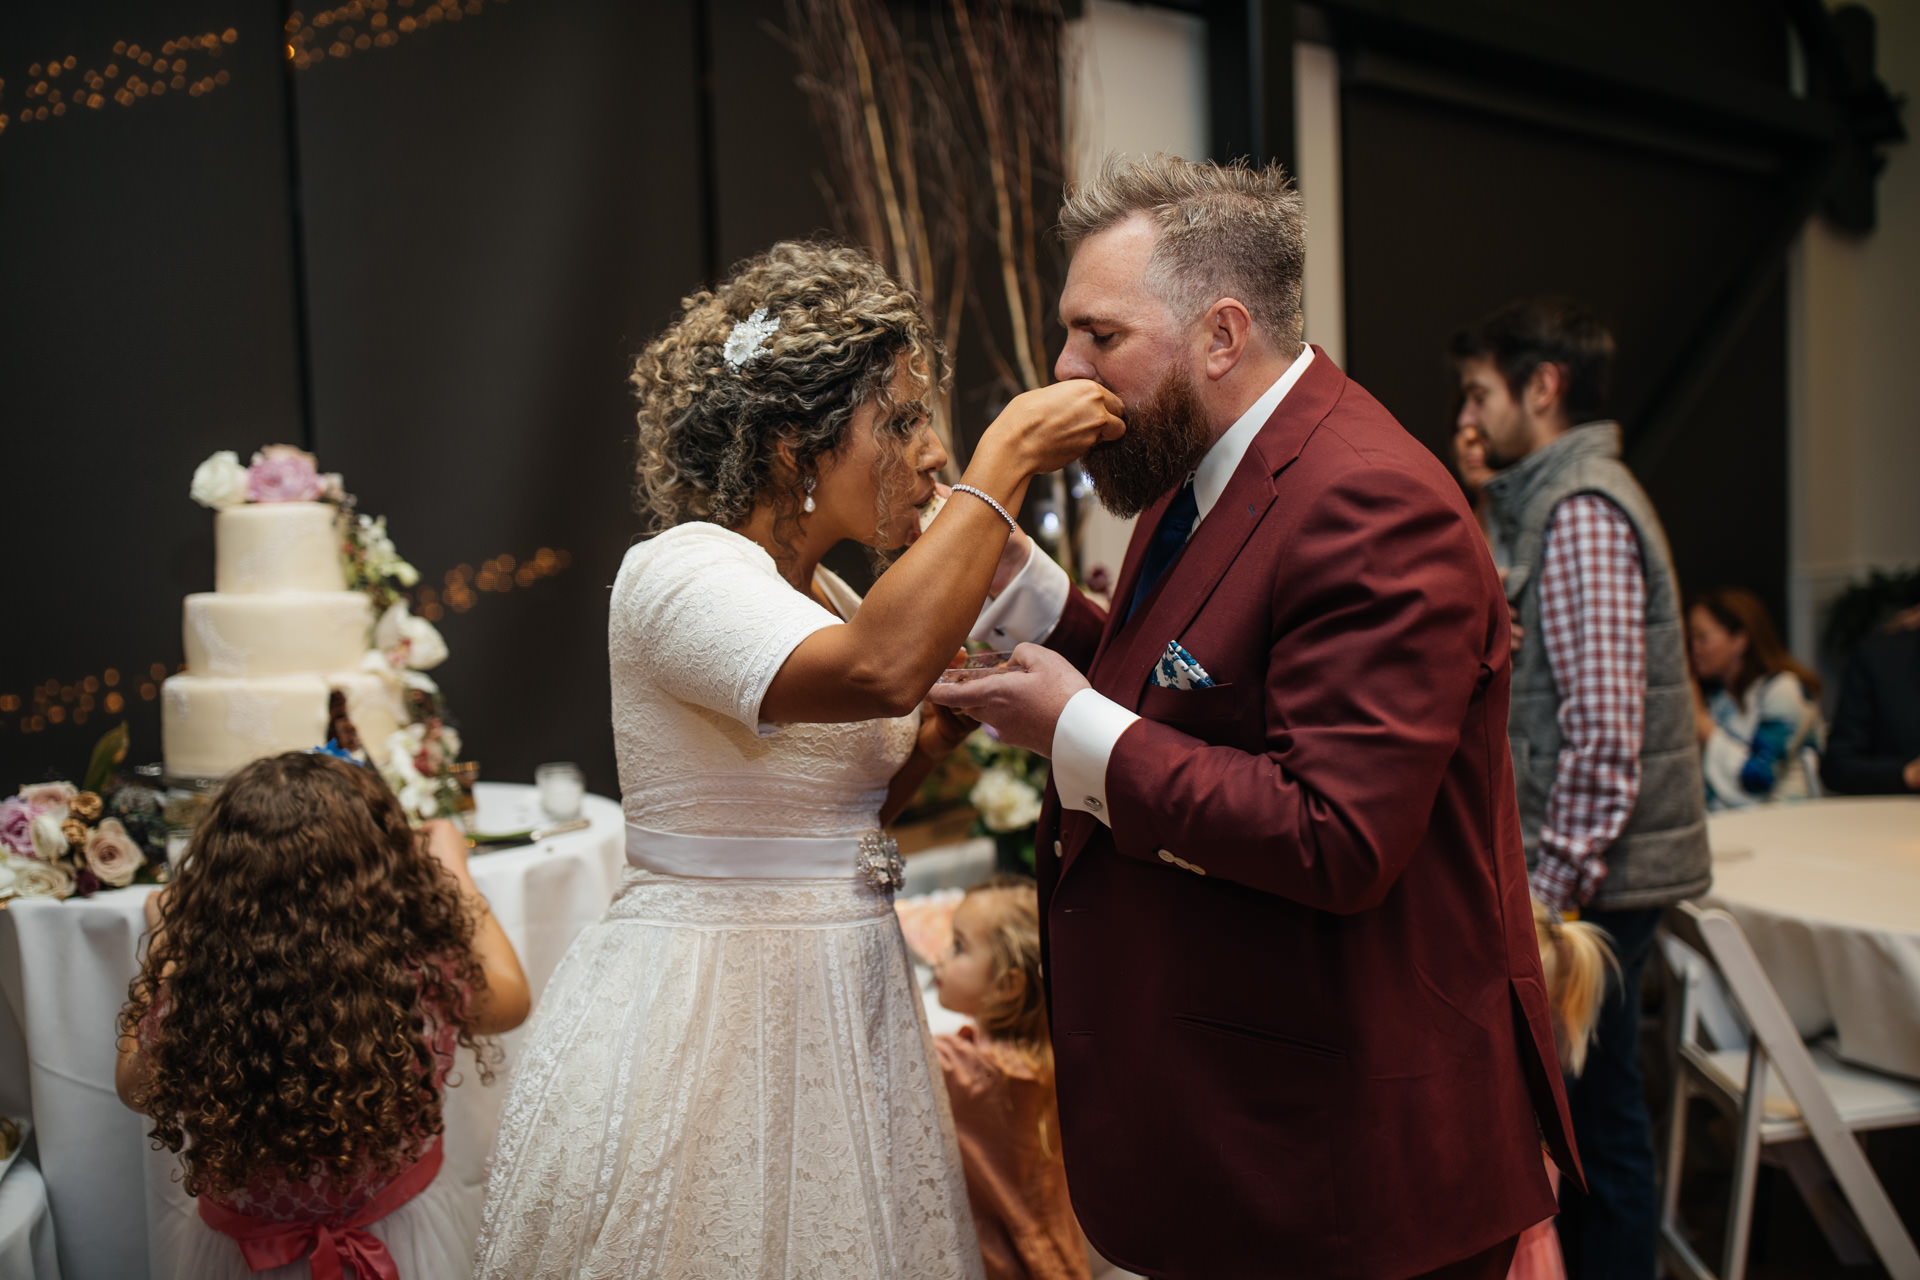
(326, 1245)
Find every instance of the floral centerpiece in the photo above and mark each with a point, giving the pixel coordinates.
(58, 840)
(1007, 796)
(423, 757)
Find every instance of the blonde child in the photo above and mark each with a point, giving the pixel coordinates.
(1000, 1079)
(309, 974)
(1575, 958)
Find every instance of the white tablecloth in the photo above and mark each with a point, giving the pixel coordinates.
(64, 970)
(1828, 892)
(26, 1228)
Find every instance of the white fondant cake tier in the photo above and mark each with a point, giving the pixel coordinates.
(211, 725)
(373, 707)
(277, 546)
(281, 634)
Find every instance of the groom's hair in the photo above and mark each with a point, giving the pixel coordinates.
(1223, 231)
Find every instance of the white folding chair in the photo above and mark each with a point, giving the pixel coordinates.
(1781, 1092)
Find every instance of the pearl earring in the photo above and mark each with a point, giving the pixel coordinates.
(807, 505)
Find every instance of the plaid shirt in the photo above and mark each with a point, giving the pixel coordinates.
(1593, 601)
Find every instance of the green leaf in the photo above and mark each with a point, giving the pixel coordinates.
(108, 752)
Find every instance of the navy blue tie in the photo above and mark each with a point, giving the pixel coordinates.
(1177, 522)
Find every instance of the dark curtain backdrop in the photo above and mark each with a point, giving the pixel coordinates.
(1450, 212)
(451, 247)
(492, 216)
(147, 318)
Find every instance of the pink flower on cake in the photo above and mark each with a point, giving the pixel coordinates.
(112, 855)
(282, 473)
(16, 825)
(50, 797)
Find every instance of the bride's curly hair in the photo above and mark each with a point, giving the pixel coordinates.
(709, 432)
(282, 1007)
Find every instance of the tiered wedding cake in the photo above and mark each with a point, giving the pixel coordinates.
(267, 648)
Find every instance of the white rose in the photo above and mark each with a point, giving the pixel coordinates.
(220, 481)
(112, 855)
(1005, 802)
(450, 742)
(40, 879)
(51, 798)
(402, 746)
(421, 797)
(49, 841)
(409, 641)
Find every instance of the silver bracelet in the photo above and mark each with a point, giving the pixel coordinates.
(989, 500)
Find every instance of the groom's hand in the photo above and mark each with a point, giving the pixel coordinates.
(1022, 704)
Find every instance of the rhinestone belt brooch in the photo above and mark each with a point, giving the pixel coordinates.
(880, 861)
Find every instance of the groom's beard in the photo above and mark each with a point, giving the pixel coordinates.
(1167, 435)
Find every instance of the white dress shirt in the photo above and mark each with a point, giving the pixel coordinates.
(1031, 606)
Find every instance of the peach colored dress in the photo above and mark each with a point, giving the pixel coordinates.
(1009, 1128)
(1538, 1255)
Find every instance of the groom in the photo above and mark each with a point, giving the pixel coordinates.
(1297, 1009)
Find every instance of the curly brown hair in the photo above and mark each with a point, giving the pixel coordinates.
(300, 949)
(710, 431)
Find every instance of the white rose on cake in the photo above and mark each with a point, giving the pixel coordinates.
(408, 641)
(1005, 802)
(220, 482)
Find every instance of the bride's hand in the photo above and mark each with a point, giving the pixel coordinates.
(1048, 428)
(944, 728)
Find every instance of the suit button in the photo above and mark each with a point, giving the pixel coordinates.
(1165, 856)
(1199, 871)
(1056, 850)
(1093, 804)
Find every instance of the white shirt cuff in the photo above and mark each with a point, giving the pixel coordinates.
(1030, 608)
(1083, 741)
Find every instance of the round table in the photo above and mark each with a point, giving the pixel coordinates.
(64, 970)
(26, 1227)
(1828, 893)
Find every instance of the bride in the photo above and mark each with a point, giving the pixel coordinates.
(730, 1074)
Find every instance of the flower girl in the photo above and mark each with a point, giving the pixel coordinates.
(999, 1076)
(308, 977)
(1574, 959)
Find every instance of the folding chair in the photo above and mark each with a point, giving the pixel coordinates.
(1823, 1100)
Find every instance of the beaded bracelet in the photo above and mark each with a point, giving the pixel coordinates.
(989, 500)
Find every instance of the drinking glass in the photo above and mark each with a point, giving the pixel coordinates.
(562, 787)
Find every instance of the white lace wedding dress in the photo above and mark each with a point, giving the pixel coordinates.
(730, 1077)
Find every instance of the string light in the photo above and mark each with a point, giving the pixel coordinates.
(361, 25)
(53, 703)
(127, 75)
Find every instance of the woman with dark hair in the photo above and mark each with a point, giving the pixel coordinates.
(1760, 709)
(730, 1075)
(310, 972)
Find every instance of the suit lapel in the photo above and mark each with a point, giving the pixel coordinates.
(1128, 649)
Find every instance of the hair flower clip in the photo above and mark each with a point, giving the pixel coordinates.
(749, 337)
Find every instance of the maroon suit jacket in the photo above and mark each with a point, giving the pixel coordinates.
(1319, 1047)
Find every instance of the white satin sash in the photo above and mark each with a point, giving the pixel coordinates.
(744, 857)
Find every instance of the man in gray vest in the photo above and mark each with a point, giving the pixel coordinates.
(1612, 810)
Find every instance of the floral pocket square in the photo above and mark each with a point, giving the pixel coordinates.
(1178, 669)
